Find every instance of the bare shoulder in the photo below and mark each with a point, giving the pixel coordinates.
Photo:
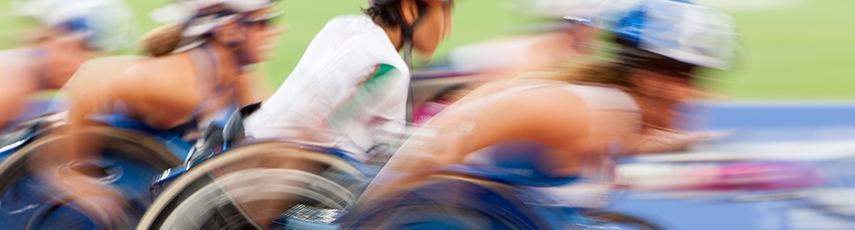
(543, 102)
(177, 69)
(547, 114)
(175, 64)
(99, 70)
(120, 73)
(529, 93)
(124, 60)
(107, 66)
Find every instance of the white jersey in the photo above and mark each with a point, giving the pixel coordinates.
(350, 85)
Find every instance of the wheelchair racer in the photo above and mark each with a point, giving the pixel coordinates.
(198, 68)
(70, 33)
(351, 83)
(538, 132)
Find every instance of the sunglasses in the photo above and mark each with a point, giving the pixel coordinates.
(263, 20)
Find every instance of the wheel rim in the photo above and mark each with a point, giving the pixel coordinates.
(254, 173)
(133, 156)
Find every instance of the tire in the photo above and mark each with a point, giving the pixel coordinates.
(129, 163)
(448, 202)
(219, 192)
(611, 220)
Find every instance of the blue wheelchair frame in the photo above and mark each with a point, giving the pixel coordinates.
(480, 198)
(29, 203)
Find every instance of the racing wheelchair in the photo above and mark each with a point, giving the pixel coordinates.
(129, 160)
(233, 182)
(464, 197)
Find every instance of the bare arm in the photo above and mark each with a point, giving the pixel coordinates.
(550, 116)
(99, 70)
(12, 102)
(162, 93)
(251, 89)
(16, 83)
(132, 87)
(84, 102)
(553, 117)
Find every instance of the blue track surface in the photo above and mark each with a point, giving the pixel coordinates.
(758, 123)
(769, 115)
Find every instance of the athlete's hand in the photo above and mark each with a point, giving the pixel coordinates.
(99, 202)
(660, 141)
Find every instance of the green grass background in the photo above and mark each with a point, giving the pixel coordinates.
(805, 52)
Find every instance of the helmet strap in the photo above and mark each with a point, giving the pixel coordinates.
(407, 37)
(408, 58)
(240, 55)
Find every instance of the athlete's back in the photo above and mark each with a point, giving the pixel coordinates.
(350, 83)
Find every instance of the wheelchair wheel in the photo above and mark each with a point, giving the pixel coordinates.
(448, 202)
(250, 186)
(128, 164)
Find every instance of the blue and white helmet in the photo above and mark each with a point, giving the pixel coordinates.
(677, 29)
(104, 24)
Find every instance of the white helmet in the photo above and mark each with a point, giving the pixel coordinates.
(105, 24)
(199, 22)
(677, 29)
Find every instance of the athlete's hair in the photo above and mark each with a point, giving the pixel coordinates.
(171, 37)
(162, 40)
(589, 71)
(390, 14)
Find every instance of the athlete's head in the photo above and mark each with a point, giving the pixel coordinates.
(251, 35)
(677, 38)
(666, 42)
(426, 22)
(669, 40)
(72, 32)
(103, 25)
(240, 25)
(661, 46)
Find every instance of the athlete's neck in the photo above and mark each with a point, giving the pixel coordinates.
(394, 33)
(228, 66)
